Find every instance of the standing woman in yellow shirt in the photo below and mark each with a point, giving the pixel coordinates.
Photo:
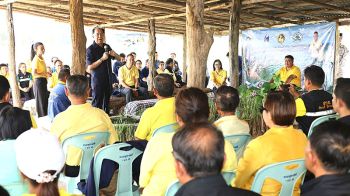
(40, 78)
(218, 75)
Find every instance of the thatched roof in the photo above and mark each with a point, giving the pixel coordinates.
(170, 14)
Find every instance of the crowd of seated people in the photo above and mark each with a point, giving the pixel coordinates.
(196, 153)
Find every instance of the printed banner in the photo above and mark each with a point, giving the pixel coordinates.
(264, 50)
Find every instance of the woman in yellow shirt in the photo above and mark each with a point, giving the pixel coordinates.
(280, 143)
(40, 78)
(218, 75)
(158, 164)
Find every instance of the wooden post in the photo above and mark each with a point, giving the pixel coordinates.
(78, 36)
(184, 59)
(151, 53)
(16, 96)
(198, 43)
(233, 40)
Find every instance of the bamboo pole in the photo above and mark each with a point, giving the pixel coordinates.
(78, 36)
(233, 40)
(151, 53)
(16, 96)
(184, 58)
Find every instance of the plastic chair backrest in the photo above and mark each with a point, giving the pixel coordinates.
(88, 143)
(10, 177)
(239, 142)
(320, 120)
(287, 173)
(170, 128)
(173, 188)
(124, 154)
(228, 176)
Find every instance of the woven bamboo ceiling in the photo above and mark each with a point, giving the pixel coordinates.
(170, 14)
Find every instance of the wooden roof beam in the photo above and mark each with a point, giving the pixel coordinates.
(164, 16)
(290, 11)
(270, 17)
(333, 7)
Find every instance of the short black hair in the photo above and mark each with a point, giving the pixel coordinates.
(57, 61)
(13, 122)
(342, 90)
(64, 74)
(289, 57)
(133, 53)
(4, 86)
(66, 67)
(316, 32)
(199, 158)
(164, 84)
(97, 27)
(191, 105)
(77, 85)
(168, 61)
(331, 142)
(122, 55)
(3, 65)
(315, 74)
(3, 191)
(138, 60)
(227, 98)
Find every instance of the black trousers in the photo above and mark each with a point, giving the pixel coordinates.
(100, 95)
(41, 96)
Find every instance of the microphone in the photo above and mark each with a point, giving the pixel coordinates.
(106, 47)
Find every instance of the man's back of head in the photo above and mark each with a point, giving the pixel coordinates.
(315, 75)
(4, 89)
(63, 75)
(164, 85)
(342, 94)
(77, 87)
(330, 142)
(227, 99)
(199, 147)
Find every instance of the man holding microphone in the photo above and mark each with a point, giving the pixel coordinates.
(98, 64)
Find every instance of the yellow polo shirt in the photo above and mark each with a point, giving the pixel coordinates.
(230, 125)
(301, 109)
(284, 74)
(218, 78)
(39, 65)
(128, 76)
(159, 71)
(158, 165)
(161, 114)
(77, 119)
(53, 80)
(276, 145)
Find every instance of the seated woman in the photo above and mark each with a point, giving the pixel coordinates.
(280, 143)
(218, 75)
(13, 122)
(40, 159)
(170, 69)
(158, 164)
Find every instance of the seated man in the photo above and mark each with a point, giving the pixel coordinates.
(5, 98)
(226, 102)
(79, 118)
(54, 78)
(163, 112)
(4, 70)
(289, 73)
(341, 99)
(327, 156)
(198, 164)
(316, 102)
(58, 100)
(128, 76)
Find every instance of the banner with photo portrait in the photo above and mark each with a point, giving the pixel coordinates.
(263, 51)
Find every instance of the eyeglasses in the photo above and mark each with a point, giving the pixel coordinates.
(262, 108)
